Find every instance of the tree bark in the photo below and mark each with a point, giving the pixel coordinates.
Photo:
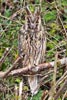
(34, 69)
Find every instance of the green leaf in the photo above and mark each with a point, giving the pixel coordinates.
(64, 2)
(17, 80)
(37, 96)
(31, 8)
(51, 15)
(7, 13)
(25, 88)
(50, 45)
(37, 1)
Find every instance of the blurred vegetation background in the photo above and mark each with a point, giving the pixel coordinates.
(12, 17)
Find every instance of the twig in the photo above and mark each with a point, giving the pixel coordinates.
(64, 95)
(64, 76)
(7, 51)
(61, 90)
(60, 18)
(11, 68)
(9, 19)
(53, 88)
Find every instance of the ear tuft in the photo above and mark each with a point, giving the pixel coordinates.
(37, 11)
(28, 10)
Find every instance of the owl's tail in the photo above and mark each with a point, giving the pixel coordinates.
(33, 83)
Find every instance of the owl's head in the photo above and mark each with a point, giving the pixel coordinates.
(33, 19)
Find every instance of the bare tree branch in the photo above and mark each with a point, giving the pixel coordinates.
(11, 68)
(33, 69)
(61, 90)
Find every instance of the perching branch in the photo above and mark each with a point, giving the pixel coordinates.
(33, 69)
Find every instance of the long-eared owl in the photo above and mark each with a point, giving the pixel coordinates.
(32, 44)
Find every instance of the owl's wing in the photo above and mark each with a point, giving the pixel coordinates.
(21, 45)
(41, 47)
(43, 44)
(20, 42)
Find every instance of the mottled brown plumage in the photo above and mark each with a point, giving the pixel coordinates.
(32, 44)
